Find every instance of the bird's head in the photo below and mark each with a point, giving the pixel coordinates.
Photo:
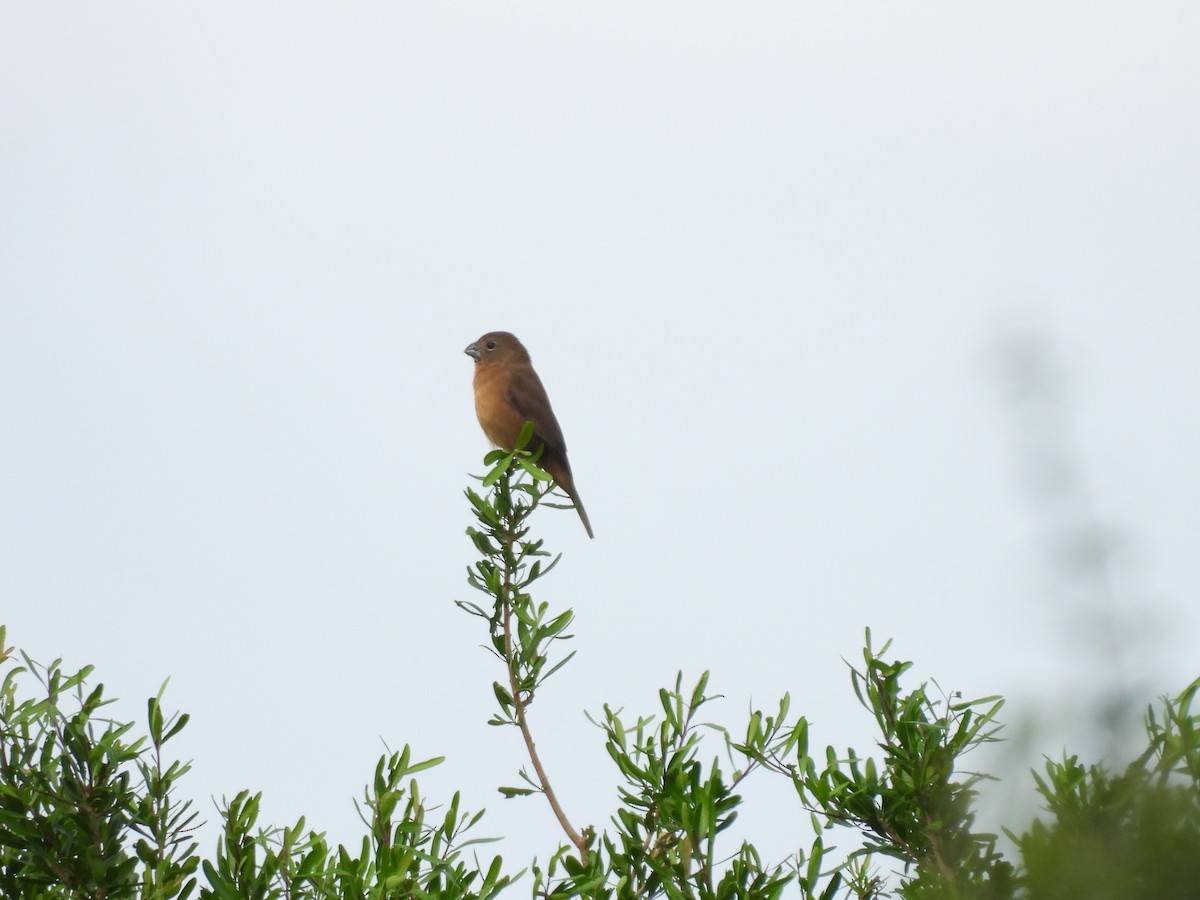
(497, 347)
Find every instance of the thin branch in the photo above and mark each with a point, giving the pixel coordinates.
(519, 706)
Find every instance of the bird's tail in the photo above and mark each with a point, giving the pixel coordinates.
(562, 477)
(582, 514)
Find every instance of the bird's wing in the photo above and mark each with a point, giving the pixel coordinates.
(528, 397)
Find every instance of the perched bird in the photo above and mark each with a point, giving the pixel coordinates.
(507, 393)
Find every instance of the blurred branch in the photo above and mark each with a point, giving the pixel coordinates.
(1085, 553)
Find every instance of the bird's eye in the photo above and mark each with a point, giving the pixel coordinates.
(491, 345)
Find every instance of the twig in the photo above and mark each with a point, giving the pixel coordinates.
(519, 706)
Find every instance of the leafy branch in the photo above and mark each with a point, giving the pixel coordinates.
(521, 631)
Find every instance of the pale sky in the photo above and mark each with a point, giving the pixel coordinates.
(762, 256)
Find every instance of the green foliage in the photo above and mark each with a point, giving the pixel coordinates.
(911, 805)
(673, 807)
(89, 809)
(86, 811)
(408, 852)
(1136, 834)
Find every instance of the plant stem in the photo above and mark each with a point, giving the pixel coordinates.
(519, 705)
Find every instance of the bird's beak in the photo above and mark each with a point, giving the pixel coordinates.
(472, 351)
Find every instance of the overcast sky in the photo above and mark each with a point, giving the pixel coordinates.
(763, 255)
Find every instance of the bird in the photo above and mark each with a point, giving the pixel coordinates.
(508, 393)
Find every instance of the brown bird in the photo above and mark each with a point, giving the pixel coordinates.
(508, 392)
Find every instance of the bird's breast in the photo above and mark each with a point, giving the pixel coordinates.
(497, 417)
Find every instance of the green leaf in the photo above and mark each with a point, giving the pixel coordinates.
(537, 472)
(510, 792)
(526, 435)
(499, 470)
(502, 695)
